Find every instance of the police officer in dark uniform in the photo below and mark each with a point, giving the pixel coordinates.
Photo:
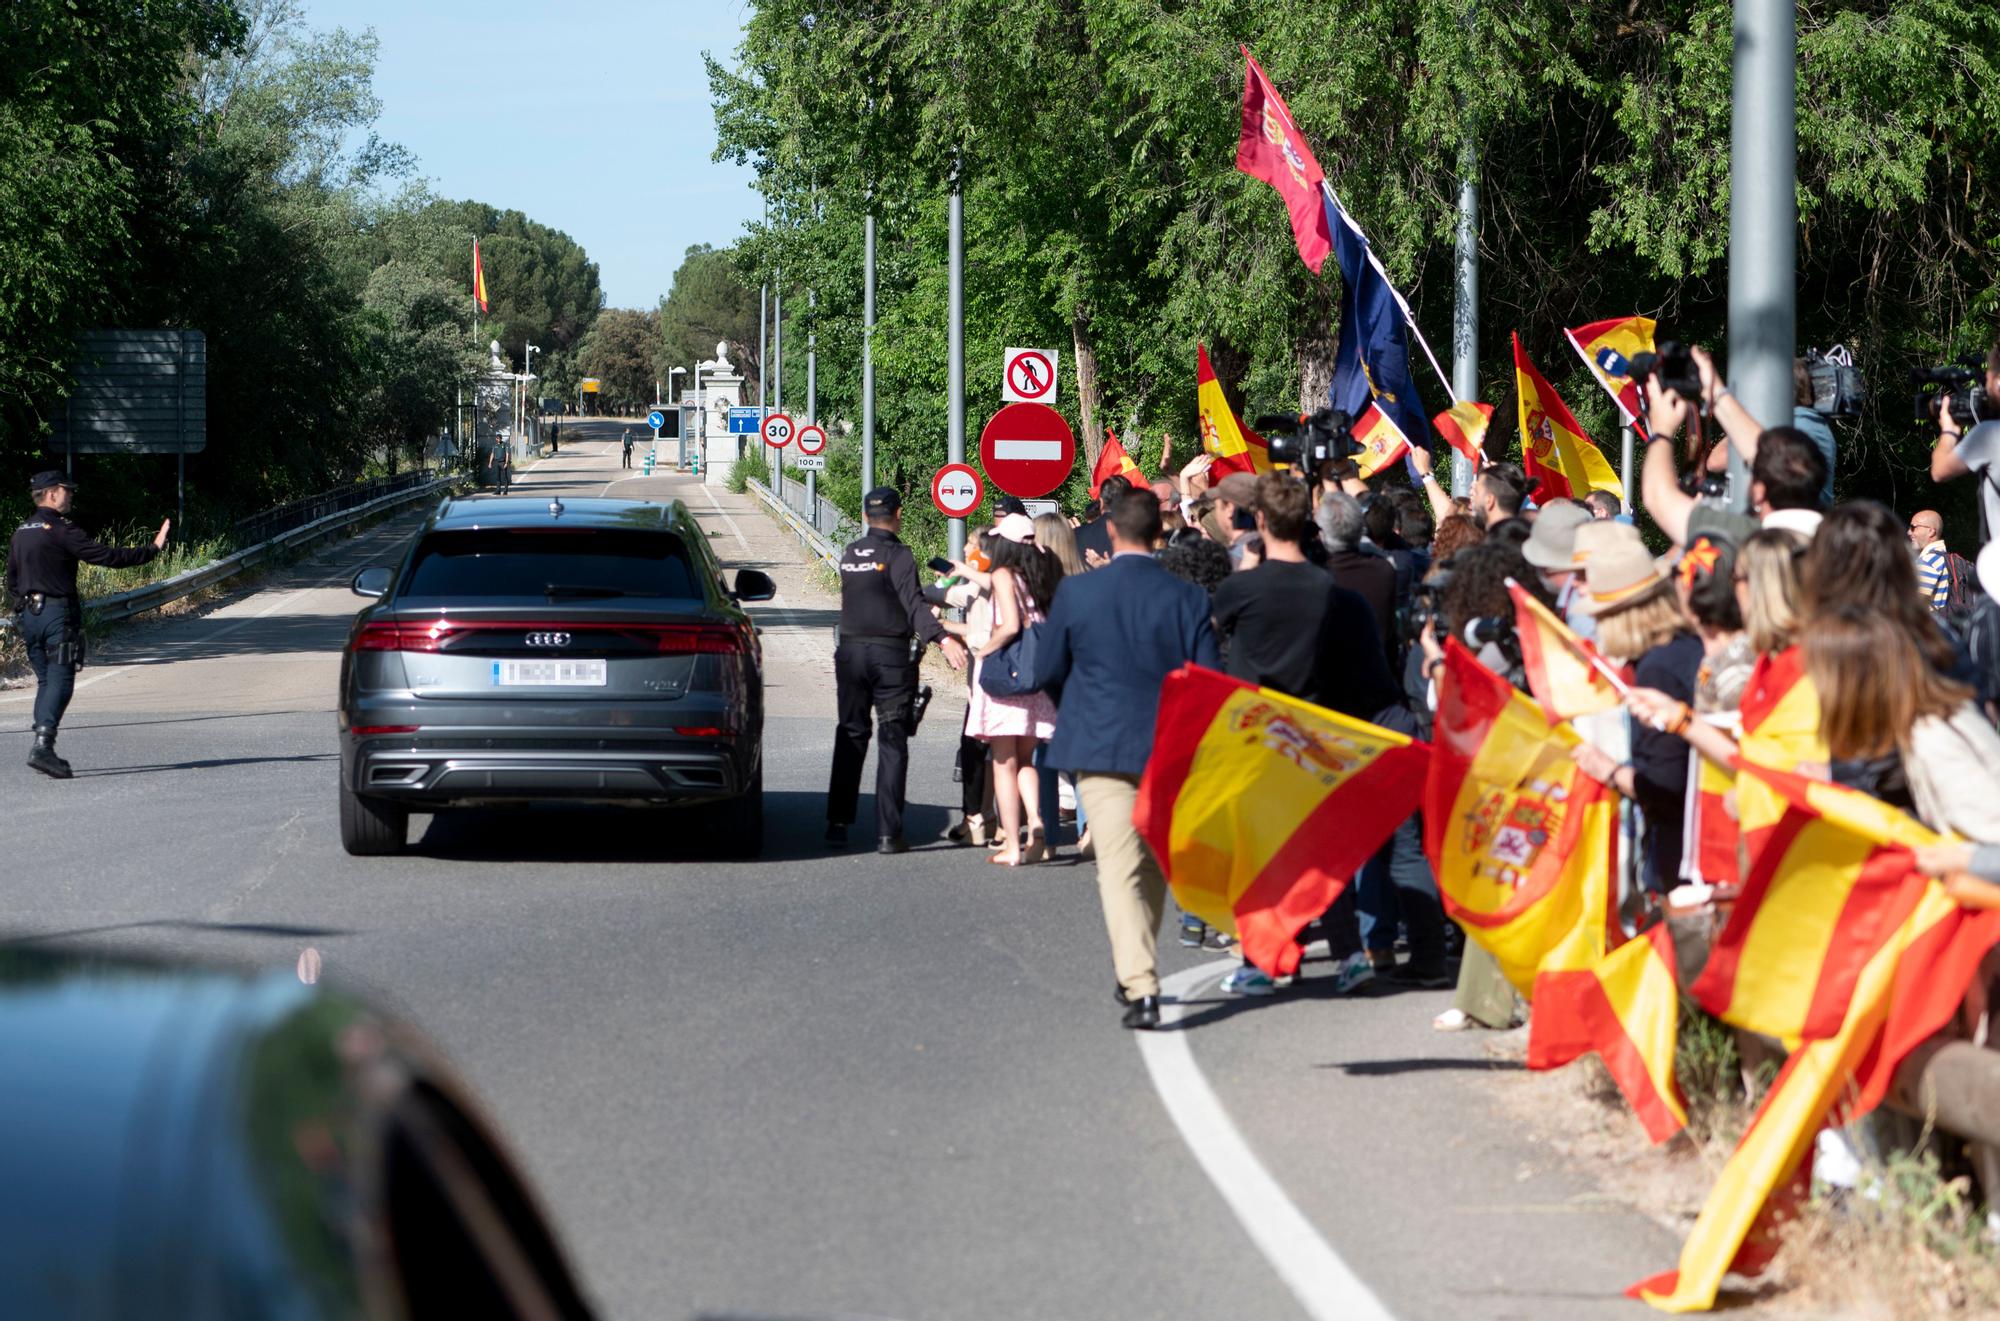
(41, 588)
(882, 619)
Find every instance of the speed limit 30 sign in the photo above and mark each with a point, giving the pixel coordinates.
(956, 490)
(778, 431)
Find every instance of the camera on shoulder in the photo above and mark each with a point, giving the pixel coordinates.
(1670, 367)
(1305, 442)
(1958, 386)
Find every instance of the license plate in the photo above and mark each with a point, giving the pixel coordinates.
(549, 674)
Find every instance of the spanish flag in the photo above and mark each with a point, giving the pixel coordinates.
(478, 278)
(1463, 426)
(1710, 831)
(1607, 348)
(1382, 442)
(1826, 887)
(1236, 447)
(1780, 710)
(1260, 806)
(1522, 844)
(1114, 461)
(1554, 449)
(1565, 672)
(1907, 989)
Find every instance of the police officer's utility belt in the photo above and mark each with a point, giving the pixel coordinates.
(886, 639)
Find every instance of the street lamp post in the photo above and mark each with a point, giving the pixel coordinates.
(528, 352)
(680, 460)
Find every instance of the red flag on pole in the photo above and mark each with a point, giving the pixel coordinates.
(478, 278)
(1271, 148)
(1114, 461)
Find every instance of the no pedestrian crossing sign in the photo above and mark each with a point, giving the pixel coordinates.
(746, 421)
(956, 490)
(1027, 449)
(812, 439)
(778, 431)
(1028, 376)
(656, 419)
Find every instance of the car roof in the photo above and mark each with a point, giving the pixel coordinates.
(516, 511)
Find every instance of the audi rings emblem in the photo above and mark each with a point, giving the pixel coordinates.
(548, 639)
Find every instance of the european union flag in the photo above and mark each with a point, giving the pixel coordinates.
(1371, 363)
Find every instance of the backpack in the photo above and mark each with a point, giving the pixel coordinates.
(1961, 587)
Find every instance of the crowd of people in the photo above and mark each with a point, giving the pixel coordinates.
(1327, 588)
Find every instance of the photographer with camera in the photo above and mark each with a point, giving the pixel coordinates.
(1968, 432)
(1786, 470)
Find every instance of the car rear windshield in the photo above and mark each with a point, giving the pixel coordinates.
(552, 564)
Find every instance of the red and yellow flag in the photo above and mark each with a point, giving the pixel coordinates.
(1564, 671)
(1907, 988)
(1627, 1009)
(1114, 461)
(1554, 449)
(478, 278)
(1260, 806)
(1463, 426)
(1711, 831)
(1607, 348)
(1780, 710)
(1522, 844)
(1382, 442)
(1236, 447)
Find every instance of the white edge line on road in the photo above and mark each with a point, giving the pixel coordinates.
(727, 521)
(1323, 1283)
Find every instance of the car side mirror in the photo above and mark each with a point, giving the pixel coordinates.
(754, 585)
(373, 581)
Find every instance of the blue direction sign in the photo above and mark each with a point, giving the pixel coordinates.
(657, 418)
(746, 421)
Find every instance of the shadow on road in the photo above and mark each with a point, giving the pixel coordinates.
(182, 924)
(794, 826)
(207, 764)
(1390, 1068)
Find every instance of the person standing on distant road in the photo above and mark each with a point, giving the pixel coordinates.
(882, 611)
(628, 447)
(41, 588)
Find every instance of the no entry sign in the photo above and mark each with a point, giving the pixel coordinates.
(956, 490)
(778, 431)
(1028, 376)
(1027, 449)
(812, 438)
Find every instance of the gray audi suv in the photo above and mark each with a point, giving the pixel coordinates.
(547, 650)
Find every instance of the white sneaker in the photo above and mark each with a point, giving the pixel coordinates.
(1356, 972)
(1248, 980)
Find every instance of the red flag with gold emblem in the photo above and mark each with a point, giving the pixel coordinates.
(1270, 147)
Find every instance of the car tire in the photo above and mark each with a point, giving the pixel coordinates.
(740, 832)
(372, 827)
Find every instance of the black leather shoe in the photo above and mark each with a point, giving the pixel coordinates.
(1144, 1012)
(44, 759)
(1118, 994)
(892, 844)
(836, 835)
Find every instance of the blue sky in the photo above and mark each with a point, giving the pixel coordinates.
(487, 94)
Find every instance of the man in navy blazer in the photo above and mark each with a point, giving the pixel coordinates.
(1112, 636)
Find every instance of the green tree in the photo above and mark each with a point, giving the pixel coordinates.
(709, 304)
(620, 350)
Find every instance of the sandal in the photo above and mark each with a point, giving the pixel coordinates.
(1037, 849)
(1001, 860)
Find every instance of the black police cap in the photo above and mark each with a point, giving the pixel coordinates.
(1010, 504)
(48, 481)
(881, 500)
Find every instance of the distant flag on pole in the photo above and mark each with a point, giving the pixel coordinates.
(478, 278)
(1113, 461)
(1463, 426)
(1271, 148)
(1558, 456)
(1371, 359)
(1235, 447)
(1608, 348)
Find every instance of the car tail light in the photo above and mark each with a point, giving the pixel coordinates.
(384, 729)
(702, 731)
(697, 639)
(417, 635)
(667, 639)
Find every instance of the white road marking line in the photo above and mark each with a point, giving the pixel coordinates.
(1325, 1286)
(727, 521)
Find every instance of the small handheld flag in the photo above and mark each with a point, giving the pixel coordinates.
(1554, 449)
(1236, 448)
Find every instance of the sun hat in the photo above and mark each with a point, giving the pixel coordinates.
(1551, 544)
(1596, 537)
(1622, 576)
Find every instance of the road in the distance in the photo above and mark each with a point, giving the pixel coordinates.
(816, 1084)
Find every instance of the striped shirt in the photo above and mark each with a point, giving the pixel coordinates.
(1933, 577)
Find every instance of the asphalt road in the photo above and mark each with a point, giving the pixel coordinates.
(821, 1083)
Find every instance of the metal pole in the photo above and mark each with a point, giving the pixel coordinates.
(1626, 439)
(955, 353)
(868, 351)
(1763, 219)
(812, 395)
(777, 374)
(1465, 314)
(764, 347)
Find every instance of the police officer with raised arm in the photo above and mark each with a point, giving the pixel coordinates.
(41, 588)
(884, 625)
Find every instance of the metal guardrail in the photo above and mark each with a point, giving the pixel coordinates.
(825, 516)
(152, 596)
(809, 536)
(261, 527)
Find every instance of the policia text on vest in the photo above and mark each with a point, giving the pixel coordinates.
(41, 590)
(884, 623)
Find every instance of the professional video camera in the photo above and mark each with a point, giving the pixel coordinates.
(1959, 386)
(1671, 367)
(1306, 442)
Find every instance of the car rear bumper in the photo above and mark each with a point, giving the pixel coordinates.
(441, 770)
